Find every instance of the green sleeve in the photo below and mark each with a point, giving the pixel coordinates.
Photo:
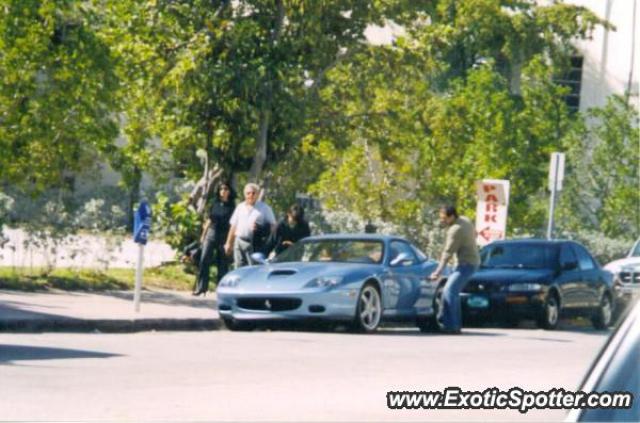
(452, 243)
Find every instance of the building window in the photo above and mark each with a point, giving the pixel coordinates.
(572, 79)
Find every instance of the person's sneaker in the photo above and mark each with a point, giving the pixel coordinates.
(451, 331)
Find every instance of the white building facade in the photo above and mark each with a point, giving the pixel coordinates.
(610, 58)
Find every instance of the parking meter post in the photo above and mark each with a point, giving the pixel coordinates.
(138, 287)
(552, 208)
(142, 226)
(555, 163)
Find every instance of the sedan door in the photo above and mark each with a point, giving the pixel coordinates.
(569, 278)
(592, 282)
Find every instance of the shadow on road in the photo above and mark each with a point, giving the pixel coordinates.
(12, 353)
(577, 325)
(165, 299)
(340, 329)
(24, 311)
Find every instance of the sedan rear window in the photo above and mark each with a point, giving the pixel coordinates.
(334, 250)
(518, 256)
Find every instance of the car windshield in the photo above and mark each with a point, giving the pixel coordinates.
(333, 250)
(518, 256)
(635, 252)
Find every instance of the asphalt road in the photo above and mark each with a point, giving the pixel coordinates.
(279, 375)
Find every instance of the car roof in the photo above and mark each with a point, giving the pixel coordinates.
(364, 237)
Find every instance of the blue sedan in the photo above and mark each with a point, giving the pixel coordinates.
(359, 279)
(539, 279)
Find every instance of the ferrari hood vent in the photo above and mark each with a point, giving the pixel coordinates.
(282, 273)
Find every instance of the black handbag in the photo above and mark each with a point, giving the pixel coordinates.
(192, 253)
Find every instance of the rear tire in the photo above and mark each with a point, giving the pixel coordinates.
(368, 310)
(550, 315)
(604, 314)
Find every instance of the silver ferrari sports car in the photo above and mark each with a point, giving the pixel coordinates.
(357, 279)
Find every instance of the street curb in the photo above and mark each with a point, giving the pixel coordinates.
(107, 325)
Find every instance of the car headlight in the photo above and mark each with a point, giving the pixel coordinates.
(524, 287)
(324, 281)
(230, 281)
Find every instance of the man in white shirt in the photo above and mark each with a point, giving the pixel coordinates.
(244, 222)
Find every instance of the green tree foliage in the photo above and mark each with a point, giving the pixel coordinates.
(233, 77)
(289, 92)
(467, 94)
(603, 176)
(56, 80)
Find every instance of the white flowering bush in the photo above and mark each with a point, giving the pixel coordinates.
(603, 249)
(96, 215)
(6, 206)
(52, 220)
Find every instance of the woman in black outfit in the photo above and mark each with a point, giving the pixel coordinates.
(291, 229)
(215, 237)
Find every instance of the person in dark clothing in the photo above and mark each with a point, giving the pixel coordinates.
(291, 229)
(214, 237)
(263, 239)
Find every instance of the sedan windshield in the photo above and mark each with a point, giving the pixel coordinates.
(333, 250)
(518, 256)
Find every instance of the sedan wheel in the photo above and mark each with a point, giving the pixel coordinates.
(369, 309)
(550, 313)
(602, 318)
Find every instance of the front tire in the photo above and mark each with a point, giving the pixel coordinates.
(550, 313)
(368, 310)
(430, 324)
(604, 314)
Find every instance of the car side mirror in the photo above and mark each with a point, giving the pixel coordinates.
(258, 258)
(402, 258)
(570, 265)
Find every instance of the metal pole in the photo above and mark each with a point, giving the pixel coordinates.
(552, 205)
(138, 287)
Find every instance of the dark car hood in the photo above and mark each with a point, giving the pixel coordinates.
(512, 275)
(499, 277)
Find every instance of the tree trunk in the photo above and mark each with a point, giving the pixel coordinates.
(515, 79)
(260, 156)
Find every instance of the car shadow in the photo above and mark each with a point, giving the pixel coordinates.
(464, 333)
(578, 325)
(343, 329)
(10, 354)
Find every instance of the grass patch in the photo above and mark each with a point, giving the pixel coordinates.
(171, 276)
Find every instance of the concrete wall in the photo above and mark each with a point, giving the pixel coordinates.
(609, 58)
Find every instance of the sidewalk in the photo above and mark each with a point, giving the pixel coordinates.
(109, 311)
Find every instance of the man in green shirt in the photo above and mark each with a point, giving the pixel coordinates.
(461, 242)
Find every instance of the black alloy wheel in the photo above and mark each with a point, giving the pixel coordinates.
(550, 315)
(604, 314)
